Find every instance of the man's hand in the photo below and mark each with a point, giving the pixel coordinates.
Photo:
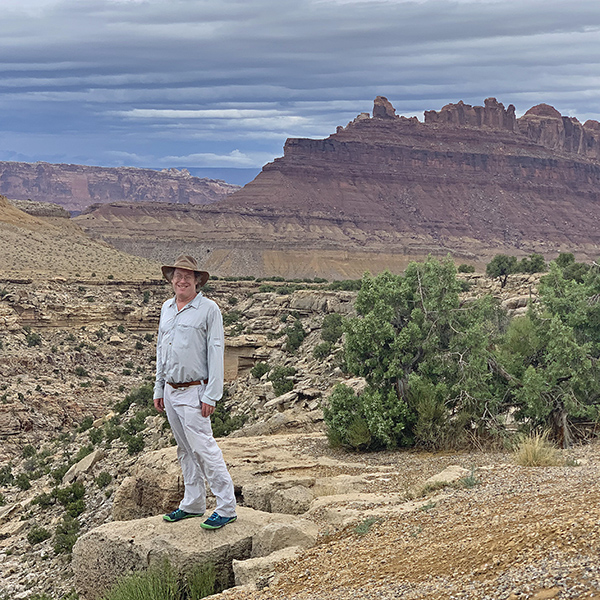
(207, 409)
(159, 404)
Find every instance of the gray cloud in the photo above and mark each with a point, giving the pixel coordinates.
(224, 83)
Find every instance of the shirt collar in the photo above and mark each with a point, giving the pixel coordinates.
(195, 303)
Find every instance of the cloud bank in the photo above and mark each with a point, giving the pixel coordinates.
(159, 83)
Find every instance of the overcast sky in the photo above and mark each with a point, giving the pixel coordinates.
(223, 83)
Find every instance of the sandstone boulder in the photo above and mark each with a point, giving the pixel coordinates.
(450, 474)
(155, 487)
(83, 466)
(256, 572)
(104, 554)
(276, 536)
(292, 501)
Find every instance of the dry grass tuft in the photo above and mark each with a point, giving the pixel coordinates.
(536, 450)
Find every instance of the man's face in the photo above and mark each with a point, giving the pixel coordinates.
(184, 284)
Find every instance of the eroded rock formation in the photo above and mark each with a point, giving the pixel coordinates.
(470, 180)
(75, 187)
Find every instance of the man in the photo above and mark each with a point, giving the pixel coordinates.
(189, 382)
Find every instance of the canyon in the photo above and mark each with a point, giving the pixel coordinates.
(472, 181)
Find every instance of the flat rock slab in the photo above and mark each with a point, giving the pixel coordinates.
(114, 549)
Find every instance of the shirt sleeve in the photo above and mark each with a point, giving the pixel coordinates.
(159, 384)
(215, 352)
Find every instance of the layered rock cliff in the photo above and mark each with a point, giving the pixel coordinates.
(472, 181)
(75, 187)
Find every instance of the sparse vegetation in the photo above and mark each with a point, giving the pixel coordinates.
(66, 534)
(295, 335)
(259, 369)
(331, 328)
(281, 378)
(231, 317)
(365, 526)
(464, 268)
(163, 582)
(103, 479)
(37, 535)
(536, 450)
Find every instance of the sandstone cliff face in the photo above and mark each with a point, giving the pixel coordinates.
(472, 181)
(75, 187)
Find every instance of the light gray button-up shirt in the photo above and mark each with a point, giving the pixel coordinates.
(190, 346)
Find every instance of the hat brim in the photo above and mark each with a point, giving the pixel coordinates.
(168, 270)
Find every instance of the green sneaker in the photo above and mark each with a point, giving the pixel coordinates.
(178, 515)
(216, 522)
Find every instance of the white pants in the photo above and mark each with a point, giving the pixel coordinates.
(199, 456)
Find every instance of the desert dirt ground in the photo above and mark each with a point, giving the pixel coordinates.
(518, 532)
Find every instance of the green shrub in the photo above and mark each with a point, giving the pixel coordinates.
(65, 535)
(156, 583)
(139, 345)
(33, 339)
(135, 444)
(280, 377)
(534, 263)
(37, 534)
(44, 500)
(146, 298)
(74, 509)
(163, 582)
(202, 582)
(259, 369)
(85, 424)
(83, 452)
(322, 351)
(231, 317)
(120, 328)
(81, 372)
(232, 300)
(464, 268)
(95, 435)
(345, 420)
(58, 473)
(223, 423)
(265, 287)
(295, 336)
(22, 481)
(6, 475)
(331, 328)
(69, 494)
(148, 337)
(103, 479)
(28, 451)
(349, 285)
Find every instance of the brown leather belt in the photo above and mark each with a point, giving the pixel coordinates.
(187, 383)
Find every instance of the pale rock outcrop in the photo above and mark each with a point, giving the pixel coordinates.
(104, 554)
(278, 535)
(287, 421)
(155, 486)
(83, 466)
(295, 500)
(256, 572)
(450, 474)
